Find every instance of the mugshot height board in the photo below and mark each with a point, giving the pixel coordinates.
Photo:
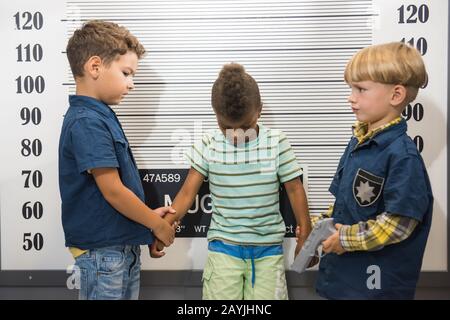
(295, 49)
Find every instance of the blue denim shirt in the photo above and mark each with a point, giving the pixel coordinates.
(92, 137)
(384, 174)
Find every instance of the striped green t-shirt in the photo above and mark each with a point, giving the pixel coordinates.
(244, 181)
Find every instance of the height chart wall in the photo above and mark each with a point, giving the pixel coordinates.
(295, 49)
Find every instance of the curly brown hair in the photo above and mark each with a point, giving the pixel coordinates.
(100, 38)
(235, 92)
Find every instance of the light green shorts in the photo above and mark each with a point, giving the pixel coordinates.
(228, 278)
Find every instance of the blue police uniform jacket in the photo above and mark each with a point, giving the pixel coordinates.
(384, 174)
(92, 137)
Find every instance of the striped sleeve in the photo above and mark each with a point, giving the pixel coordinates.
(198, 155)
(288, 167)
(375, 234)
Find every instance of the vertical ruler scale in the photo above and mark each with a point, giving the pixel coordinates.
(31, 117)
(424, 25)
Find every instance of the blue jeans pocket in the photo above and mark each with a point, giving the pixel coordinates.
(111, 271)
(111, 261)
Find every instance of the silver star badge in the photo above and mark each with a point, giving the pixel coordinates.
(365, 192)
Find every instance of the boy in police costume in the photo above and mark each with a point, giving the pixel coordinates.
(383, 205)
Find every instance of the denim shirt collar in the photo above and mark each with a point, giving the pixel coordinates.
(94, 104)
(386, 136)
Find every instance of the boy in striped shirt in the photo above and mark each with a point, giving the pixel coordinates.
(245, 162)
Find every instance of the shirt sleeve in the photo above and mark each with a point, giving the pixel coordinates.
(405, 190)
(288, 167)
(92, 145)
(198, 155)
(375, 234)
(337, 176)
(317, 217)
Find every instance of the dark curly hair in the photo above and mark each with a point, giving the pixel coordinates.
(235, 93)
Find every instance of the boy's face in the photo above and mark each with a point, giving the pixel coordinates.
(238, 132)
(116, 79)
(371, 102)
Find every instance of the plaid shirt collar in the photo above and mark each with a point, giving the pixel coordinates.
(362, 135)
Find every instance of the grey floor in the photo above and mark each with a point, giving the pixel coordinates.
(179, 293)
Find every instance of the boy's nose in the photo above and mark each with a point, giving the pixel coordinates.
(131, 85)
(351, 99)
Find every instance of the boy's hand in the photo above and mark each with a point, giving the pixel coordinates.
(333, 244)
(300, 238)
(301, 234)
(300, 241)
(164, 232)
(154, 249)
(162, 211)
(157, 247)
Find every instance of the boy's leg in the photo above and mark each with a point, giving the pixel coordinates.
(112, 270)
(223, 277)
(270, 279)
(102, 273)
(134, 275)
(87, 266)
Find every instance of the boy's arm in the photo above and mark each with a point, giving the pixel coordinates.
(299, 203)
(186, 196)
(127, 203)
(183, 201)
(375, 234)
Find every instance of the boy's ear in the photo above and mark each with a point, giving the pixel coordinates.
(398, 95)
(259, 111)
(92, 67)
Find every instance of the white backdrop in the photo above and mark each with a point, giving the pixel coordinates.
(296, 50)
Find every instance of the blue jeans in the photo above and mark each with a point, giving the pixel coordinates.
(110, 273)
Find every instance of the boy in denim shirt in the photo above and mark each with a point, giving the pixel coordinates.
(104, 216)
(384, 201)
